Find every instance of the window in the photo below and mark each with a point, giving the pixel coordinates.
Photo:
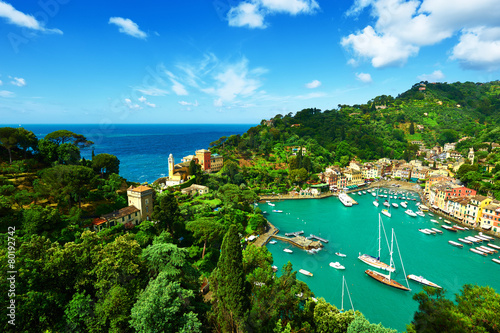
(112, 223)
(147, 209)
(147, 201)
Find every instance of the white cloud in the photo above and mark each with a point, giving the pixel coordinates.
(153, 91)
(20, 19)
(313, 84)
(246, 14)
(479, 49)
(364, 77)
(437, 75)
(253, 12)
(178, 88)
(184, 103)
(18, 81)
(131, 105)
(142, 99)
(218, 103)
(5, 93)
(128, 27)
(403, 27)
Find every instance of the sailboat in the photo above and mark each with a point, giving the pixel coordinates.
(375, 261)
(344, 284)
(375, 202)
(386, 278)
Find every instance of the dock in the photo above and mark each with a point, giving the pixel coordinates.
(354, 202)
(300, 242)
(311, 236)
(296, 233)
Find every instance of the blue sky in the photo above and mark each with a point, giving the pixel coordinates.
(227, 61)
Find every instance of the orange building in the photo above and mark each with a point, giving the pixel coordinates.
(203, 156)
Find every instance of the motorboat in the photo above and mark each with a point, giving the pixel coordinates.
(448, 228)
(375, 203)
(275, 268)
(386, 212)
(494, 246)
(303, 271)
(458, 227)
(345, 199)
(437, 230)
(496, 260)
(465, 241)
(287, 251)
(473, 239)
(271, 204)
(486, 236)
(340, 254)
(424, 231)
(277, 211)
(410, 212)
(423, 208)
(404, 204)
(446, 221)
(272, 242)
(432, 232)
(423, 281)
(434, 221)
(419, 213)
(487, 249)
(336, 265)
(395, 205)
(477, 251)
(455, 244)
(430, 214)
(387, 204)
(482, 238)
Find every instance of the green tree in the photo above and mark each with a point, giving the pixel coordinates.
(166, 211)
(68, 153)
(106, 164)
(62, 136)
(48, 150)
(26, 140)
(164, 306)
(412, 128)
(231, 302)
(361, 325)
(8, 139)
(327, 318)
(205, 230)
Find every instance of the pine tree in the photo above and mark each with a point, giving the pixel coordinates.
(412, 128)
(231, 302)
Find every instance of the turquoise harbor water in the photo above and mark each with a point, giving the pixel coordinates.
(352, 230)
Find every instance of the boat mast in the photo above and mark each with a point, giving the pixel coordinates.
(402, 265)
(379, 236)
(391, 263)
(343, 281)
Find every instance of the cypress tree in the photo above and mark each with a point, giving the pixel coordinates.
(231, 295)
(412, 128)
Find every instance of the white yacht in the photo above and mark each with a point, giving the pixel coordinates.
(336, 265)
(410, 212)
(345, 199)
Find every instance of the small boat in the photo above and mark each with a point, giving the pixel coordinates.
(424, 231)
(395, 205)
(272, 242)
(448, 228)
(423, 281)
(271, 204)
(430, 214)
(410, 212)
(437, 230)
(458, 227)
(404, 204)
(387, 204)
(482, 238)
(455, 244)
(434, 221)
(487, 249)
(423, 208)
(494, 246)
(345, 199)
(277, 211)
(477, 251)
(446, 221)
(359, 193)
(364, 192)
(287, 251)
(473, 239)
(386, 212)
(336, 265)
(374, 194)
(275, 268)
(464, 241)
(486, 236)
(440, 218)
(419, 213)
(496, 260)
(375, 203)
(303, 271)
(340, 254)
(432, 232)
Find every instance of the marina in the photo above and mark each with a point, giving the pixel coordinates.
(351, 230)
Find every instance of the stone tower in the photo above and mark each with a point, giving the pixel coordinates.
(471, 155)
(171, 166)
(142, 198)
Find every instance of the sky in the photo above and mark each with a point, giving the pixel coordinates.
(228, 61)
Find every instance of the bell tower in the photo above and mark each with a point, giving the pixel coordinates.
(171, 166)
(471, 155)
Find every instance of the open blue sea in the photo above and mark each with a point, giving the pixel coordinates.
(143, 150)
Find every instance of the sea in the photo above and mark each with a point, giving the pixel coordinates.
(354, 231)
(143, 150)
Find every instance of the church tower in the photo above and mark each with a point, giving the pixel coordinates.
(471, 155)
(171, 166)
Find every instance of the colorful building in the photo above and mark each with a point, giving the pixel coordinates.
(204, 156)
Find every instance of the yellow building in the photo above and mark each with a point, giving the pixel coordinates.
(475, 209)
(216, 162)
(354, 177)
(142, 198)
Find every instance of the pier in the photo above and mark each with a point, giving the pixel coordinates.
(296, 233)
(300, 242)
(311, 236)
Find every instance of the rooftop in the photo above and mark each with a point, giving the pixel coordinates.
(141, 188)
(120, 213)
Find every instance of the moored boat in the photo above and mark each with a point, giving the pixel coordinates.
(387, 204)
(464, 241)
(423, 208)
(455, 244)
(482, 238)
(424, 231)
(434, 221)
(287, 251)
(375, 203)
(437, 230)
(486, 236)
(477, 251)
(277, 211)
(336, 265)
(494, 246)
(404, 204)
(419, 213)
(487, 249)
(423, 281)
(386, 212)
(473, 239)
(496, 260)
(448, 228)
(303, 271)
(395, 205)
(431, 231)
(272, 242)
(340, 254)
(375, 261)
(446, 221)
(345, 199)
(458, 227)
(385, 279)
(410, 212)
